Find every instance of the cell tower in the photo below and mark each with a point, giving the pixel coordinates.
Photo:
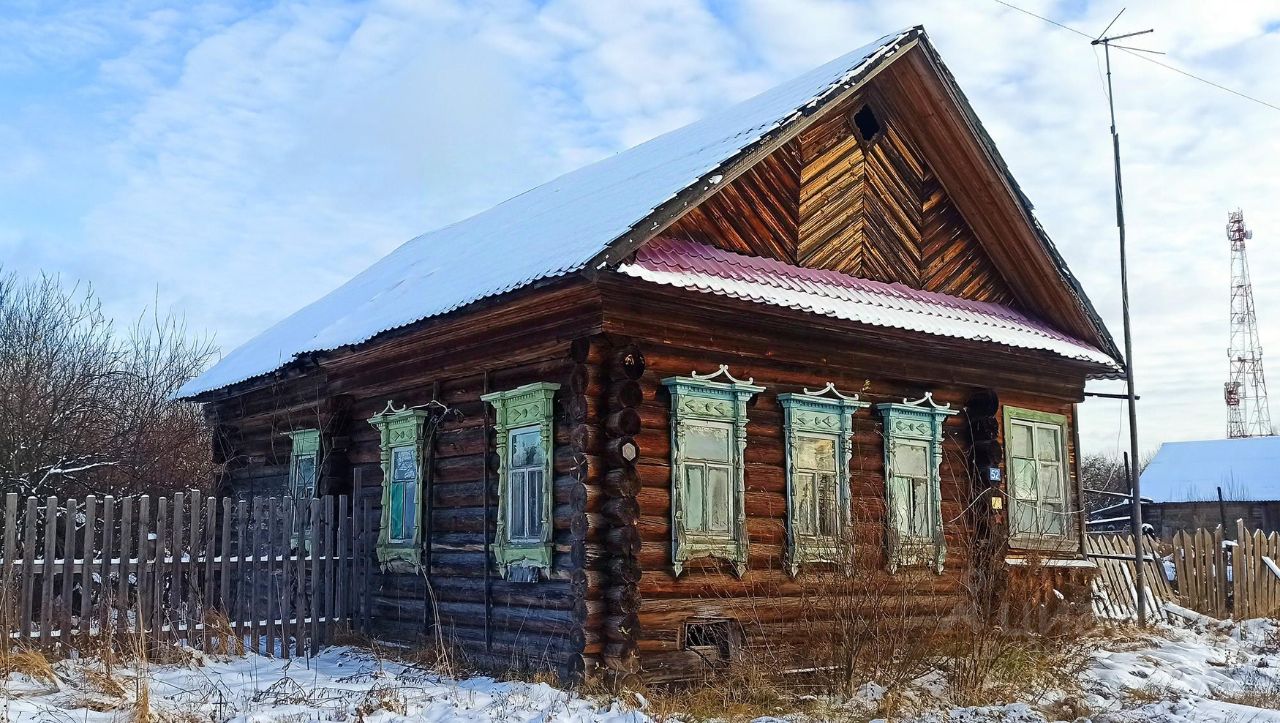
(1248, 414)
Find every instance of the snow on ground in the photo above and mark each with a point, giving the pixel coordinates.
(1214, 673)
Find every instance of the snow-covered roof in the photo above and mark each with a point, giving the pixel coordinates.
(691, 265)
(552, 230)
(1248, 470)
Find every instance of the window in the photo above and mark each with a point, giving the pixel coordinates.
(400, 529)
(708, 439)
(715, 640)
(403, 494)
(525, 483)
(1036, 450)
(913, 495)
(819, 434)
(523, 434)
(303, 464)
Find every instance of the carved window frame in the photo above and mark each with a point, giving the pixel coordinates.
(812, 414)
(919, 421)
(698, 398)
(398, 429)
(1039, 540)
(531, 405)
(304, 443)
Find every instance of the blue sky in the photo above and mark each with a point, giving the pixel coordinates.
(238, 160)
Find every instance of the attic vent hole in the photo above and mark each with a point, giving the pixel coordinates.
(867, 123)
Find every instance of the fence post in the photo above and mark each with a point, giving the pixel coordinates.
(68, 574)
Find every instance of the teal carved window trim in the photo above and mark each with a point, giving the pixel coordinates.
(819, 446)
(524, 437)
(708, 481)
(400, 530)
(913, 489)
(304, 472)
(1039, 479)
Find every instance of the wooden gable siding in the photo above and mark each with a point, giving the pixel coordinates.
(874, 210)
(756, 214)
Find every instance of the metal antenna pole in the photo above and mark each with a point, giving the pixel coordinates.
(1139, 551)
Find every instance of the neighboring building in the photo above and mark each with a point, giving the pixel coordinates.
(825, 313)
(1183, 481)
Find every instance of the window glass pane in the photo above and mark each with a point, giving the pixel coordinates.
(535, 502)
(1047, 443)
(1053, 519)
(304, 476)
(827, 506)
(1050, 479)
(804, 503)
(404, 463)
(526, 448)
(1023, 518)
(901, 504)
(396, 516)
(1020, 445)
(410, 510)
(911, 459)
(718, 497)
(516, 508)
(817, 453)
(1023, 479)
(693, 497)
(707, 441)
(921, 517)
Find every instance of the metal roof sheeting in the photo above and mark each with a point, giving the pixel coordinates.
(1248, 470)
(690, 265)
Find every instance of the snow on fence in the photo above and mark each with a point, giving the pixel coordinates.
(279, 575)
(1115, 595)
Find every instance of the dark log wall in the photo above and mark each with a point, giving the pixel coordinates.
(538, 337)
(767, 600)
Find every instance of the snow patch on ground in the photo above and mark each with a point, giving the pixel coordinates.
(1212, 673)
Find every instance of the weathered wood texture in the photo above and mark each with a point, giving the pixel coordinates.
(690, 339)
(178, 570)
(1115, 594)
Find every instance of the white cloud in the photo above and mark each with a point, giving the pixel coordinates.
(248, 159)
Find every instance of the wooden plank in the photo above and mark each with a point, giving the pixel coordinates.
(177, 567)
(210, 552)
(224, 581)
(28, 561)
(68, 572)
(255, 564)
(9, 595)
(87, 557)
(105, 589)
(343, 564)
(46, 570)
(327, 540)
(159, 571)
(242, 552)
(286, 567)
(192, 587)
(302, 512)
(314, 582)
(273, 525)
(122, 570)
(144, 565)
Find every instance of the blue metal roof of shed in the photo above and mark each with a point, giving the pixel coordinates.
(1248, 470)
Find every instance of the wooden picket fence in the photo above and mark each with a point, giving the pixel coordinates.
(1202, 570)
(1256, 573)
(1114, 589)
(279, 576)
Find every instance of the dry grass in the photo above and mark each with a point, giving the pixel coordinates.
(1258, 691)
(223, 640)
(382, 697)
(30, 662)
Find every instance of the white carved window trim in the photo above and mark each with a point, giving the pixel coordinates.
(914, 423)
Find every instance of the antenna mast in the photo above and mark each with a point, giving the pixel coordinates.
(1248, 413)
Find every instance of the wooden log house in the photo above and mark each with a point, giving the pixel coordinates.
(593, 421)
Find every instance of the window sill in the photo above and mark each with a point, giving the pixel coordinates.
(1077, 562)
(1045, 544)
